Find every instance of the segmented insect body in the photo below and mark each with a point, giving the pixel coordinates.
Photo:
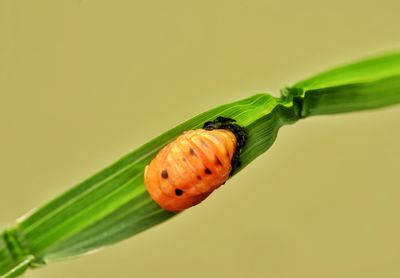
(190, 168)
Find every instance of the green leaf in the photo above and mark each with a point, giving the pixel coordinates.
(364, 85)
(114, 204)
(14, 260)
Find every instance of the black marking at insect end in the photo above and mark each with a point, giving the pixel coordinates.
(239, 132)
(178, 192)
(207, 171)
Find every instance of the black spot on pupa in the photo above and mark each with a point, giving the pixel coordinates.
(164, 174)
(192, 152)
(217, 161)
(207, 171)
(178, 192)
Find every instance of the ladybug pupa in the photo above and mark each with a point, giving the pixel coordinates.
(196, 163)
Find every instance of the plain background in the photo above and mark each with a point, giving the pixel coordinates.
(83, 82)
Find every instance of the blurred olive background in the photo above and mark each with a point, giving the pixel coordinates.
(83, 82)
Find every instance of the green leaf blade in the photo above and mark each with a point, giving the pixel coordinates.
(114, 204)
(364, 71)
(368, 84)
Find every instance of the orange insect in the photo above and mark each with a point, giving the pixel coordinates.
(199, 161)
